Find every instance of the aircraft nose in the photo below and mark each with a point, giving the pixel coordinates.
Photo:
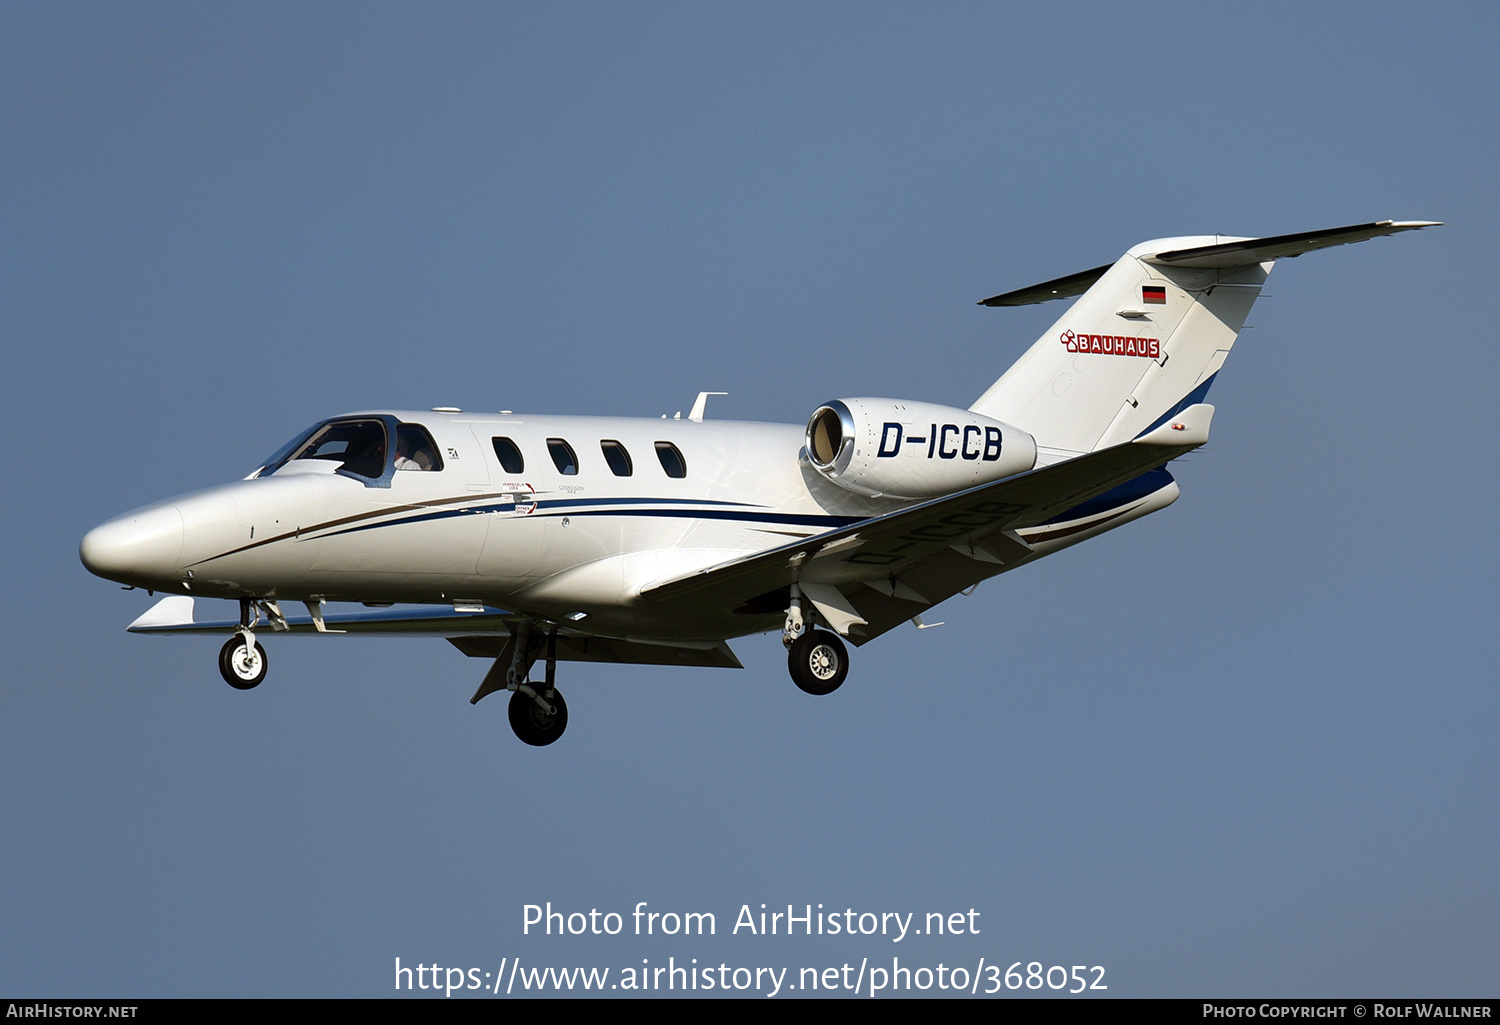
(141, 547)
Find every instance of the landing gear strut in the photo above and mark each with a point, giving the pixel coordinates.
(537, 714)
(242, 661)
(817, 659)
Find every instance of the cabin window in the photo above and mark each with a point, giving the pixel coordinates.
(509, 455)
(617, 458)
(671, 459)
(415, 450)
(563, 457)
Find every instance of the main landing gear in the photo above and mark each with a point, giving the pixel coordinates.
(538, 721)
(538, 714)
(818, 662)
(817, 659)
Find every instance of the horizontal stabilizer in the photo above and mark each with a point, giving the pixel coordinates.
(1236, 252)
(1057, 288)
(1241, 252)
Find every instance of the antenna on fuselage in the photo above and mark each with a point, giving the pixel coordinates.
(701, 404)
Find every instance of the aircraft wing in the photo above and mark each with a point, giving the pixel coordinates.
(481, 634)
(976, 527)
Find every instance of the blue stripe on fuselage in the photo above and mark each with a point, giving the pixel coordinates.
(1132, 490)
(621, 507)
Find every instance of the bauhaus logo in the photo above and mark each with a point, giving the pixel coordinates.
(1112, 345)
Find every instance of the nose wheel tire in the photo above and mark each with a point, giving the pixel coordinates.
(241, 666)
(533, 725)
(818, 662)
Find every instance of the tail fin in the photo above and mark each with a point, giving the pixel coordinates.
(1147, 336)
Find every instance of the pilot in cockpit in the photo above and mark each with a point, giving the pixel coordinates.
(413, 449)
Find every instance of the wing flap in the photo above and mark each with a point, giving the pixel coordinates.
(608, 649)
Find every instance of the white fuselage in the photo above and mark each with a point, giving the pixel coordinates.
(551, 542)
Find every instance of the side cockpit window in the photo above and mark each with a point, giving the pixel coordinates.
(415, 450)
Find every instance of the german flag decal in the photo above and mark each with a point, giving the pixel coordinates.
(1154, 294)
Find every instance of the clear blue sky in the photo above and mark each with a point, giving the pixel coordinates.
(1244, 747)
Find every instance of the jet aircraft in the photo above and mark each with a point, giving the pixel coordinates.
(523, 538)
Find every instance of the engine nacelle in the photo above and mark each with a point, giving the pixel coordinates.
(891, 448)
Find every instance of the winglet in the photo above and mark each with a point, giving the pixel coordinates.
(175, 610)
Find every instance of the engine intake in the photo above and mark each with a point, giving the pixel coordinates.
(890, 448)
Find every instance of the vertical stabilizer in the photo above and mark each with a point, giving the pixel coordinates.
(1143, 340)
(1147, 336)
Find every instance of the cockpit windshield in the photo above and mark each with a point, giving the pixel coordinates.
(357, 446)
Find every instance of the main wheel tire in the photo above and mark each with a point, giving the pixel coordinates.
(818, 662)
(242, 668)
(534, 726)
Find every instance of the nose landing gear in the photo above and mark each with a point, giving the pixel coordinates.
(242, 661)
